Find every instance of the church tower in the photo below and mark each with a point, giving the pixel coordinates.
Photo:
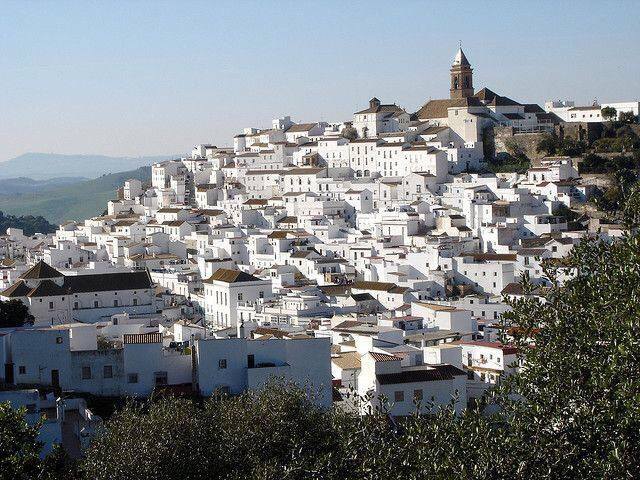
(461, 77)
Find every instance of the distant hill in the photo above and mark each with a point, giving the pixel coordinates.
(75, 201)
(10, 186)
(44, 166)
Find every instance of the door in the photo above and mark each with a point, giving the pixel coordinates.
(8, 373)
(55, 378)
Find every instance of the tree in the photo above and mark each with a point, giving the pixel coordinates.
(29, 224)
(609, 113)
(551, 144)
(628, 117)
(631, 208)
(349, 133)
(273, 433)
(547, 144)
(582, 378)
(14, 313)
(565, 212)
(19, 446)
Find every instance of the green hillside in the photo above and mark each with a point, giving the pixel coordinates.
(71, 202)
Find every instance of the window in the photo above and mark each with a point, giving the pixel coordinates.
(107, 371)
(135, 302)
(115, 303)
(95, 304)
(22, 370)
(132, 378)
(58, 340)
(86, 373)
(470, 375)
(398, 396)
(417, 395)
(160, 378)
(261, 294)
(76, 305)
(240, 297)
(222, 364)
(50, 305)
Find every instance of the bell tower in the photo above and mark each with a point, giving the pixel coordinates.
(461, 76)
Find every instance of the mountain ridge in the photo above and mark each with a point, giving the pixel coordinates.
(46, 166)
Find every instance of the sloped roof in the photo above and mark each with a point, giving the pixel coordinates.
(380, 286)
(18, 289)
(108, 281)
(432, 373)
(288, 219)
(41, 270)
(231, 276)
(490, 97)
(388, 108)
(82, 284)
(347, 361)
(384, 357)
(438, 108)
(47, 288)
(301, 127)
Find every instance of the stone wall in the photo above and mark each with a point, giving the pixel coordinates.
(580, 131)
(506, 141)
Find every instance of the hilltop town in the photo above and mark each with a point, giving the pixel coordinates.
(373, 256)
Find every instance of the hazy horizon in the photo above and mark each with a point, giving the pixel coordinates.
(146, 78)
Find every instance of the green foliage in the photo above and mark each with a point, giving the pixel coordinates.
(622, 143)
(275, 433)
(19, 447)
(506, 163)
(349, 133)
(563, 211)
(609, 113)
(14, 313)
(550, 144)
(614, 197)
(29, 224)
(581, 417)
(631, 208)
(628, 117)
(592, 163)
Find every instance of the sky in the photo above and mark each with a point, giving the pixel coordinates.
(151, 78)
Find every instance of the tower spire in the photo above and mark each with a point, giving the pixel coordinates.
(461, 76)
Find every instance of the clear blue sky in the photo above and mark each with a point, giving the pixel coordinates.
(137, 78)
